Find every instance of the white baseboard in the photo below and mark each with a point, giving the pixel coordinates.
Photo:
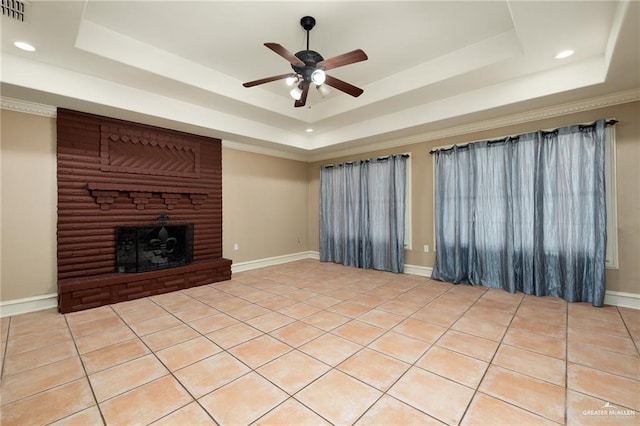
(271, 261)
(622, 299)
(28, 304)
(422, 271)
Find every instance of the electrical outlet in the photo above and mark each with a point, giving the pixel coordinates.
(235, 247)
(426, 248)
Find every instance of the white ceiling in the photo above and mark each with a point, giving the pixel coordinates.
(432, 64)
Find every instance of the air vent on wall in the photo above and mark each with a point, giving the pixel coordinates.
(14, 9)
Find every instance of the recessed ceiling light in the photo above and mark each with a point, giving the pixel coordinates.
(309, 130)
(24, 46)
(564, 54)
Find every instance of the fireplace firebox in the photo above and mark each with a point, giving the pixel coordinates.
(148, 248)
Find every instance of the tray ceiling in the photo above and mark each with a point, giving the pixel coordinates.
(431, 64)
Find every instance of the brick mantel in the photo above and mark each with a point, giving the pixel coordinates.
(106, 194)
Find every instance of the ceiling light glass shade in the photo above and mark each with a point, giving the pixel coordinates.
(24, 46)
(291, 80)
(323, 90)
(318, 77)
(564, 54)
(296, 93)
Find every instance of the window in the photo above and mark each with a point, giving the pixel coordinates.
(537, 205)
(360, 206)
(610, 180)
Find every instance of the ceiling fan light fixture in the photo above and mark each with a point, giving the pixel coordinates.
(291, 80)
(318, 77)
(324, 90)
(296, 93)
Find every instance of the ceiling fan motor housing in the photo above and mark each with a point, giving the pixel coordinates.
(310, 59)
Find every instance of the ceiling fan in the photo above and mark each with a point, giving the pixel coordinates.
(309, 68)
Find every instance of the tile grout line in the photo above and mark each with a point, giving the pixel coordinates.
(475, 390)
(6, 349)
(251, 369)
(196, 400)
(86, 374)
(418, 358)
(77, 353)
(633, 341)
(411, 365)
(289, 396)
(139, 338)
(331, 368)
(490, 363)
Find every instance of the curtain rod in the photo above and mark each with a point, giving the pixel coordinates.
(328, 166)
(608, 122)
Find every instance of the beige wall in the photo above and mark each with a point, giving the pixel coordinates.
(28, 206)
(624, 279)
(270, 204)
(265, 206)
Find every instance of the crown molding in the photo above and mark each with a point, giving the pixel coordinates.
(554, 111)
(240, 146)
(627, 96)
(28, 107)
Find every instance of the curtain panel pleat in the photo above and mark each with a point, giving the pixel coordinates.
(362, 213)
(525, 214)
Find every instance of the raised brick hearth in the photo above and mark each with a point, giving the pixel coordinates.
(85, 293)
(116, 173)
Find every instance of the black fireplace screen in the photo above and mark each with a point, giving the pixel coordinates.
(147, 248)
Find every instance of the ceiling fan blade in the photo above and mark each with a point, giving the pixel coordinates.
(303, 98)
(343, 86)
(345, 59)
(285, 54)
(265, 80)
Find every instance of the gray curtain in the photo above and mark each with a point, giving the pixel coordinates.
(525, 214)
(362, 211)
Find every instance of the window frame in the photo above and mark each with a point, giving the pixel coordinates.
(408, 240)
(611, 194)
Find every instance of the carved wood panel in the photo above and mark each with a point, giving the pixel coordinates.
(143, 151)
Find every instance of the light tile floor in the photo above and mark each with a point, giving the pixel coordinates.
(310, 343)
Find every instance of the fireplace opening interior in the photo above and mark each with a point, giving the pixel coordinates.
(149, 248)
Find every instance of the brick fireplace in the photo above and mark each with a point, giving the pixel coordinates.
(115, 175)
